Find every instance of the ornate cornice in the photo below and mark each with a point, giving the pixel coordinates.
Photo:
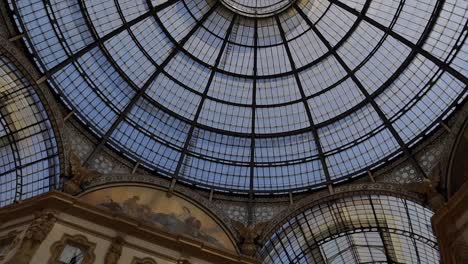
(125, 225)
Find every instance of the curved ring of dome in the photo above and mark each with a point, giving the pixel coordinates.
(258, 8)
(192, 90)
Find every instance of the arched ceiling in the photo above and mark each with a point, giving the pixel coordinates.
(355, 229)
(29, 155)
(253, 96)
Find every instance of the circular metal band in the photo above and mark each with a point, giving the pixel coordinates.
(254, 9)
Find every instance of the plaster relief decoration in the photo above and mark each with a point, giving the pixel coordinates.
(79, 175)
(115, 251)
(249, 234)
(152, 206)
(8, 242)
(37, 231)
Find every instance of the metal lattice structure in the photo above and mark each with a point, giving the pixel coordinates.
(29, 158)
(275, 97)
(355, 229)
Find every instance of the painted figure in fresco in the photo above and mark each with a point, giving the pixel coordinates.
(132, 208)
(113, 206)
(184, 223)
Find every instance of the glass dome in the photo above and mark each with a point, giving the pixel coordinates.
(253, 96)
(357, 229)
(29, 155)
(262, 8)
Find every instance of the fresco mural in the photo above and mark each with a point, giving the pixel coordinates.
(172, 214)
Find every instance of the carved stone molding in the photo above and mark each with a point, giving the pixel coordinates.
(115, 251)
(12, 239)
(249, 235)
(74, 207)
(78, 241)
(79, 175)
(34, 235)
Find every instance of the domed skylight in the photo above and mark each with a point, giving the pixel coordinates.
(259, 96)
(261, 8)
(355, 229)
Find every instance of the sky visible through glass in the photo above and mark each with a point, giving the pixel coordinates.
(356, 229)
(29, 162)
(317, 93)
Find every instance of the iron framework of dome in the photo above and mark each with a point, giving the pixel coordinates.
(355, 229)
(29, 155)
(302, 95)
